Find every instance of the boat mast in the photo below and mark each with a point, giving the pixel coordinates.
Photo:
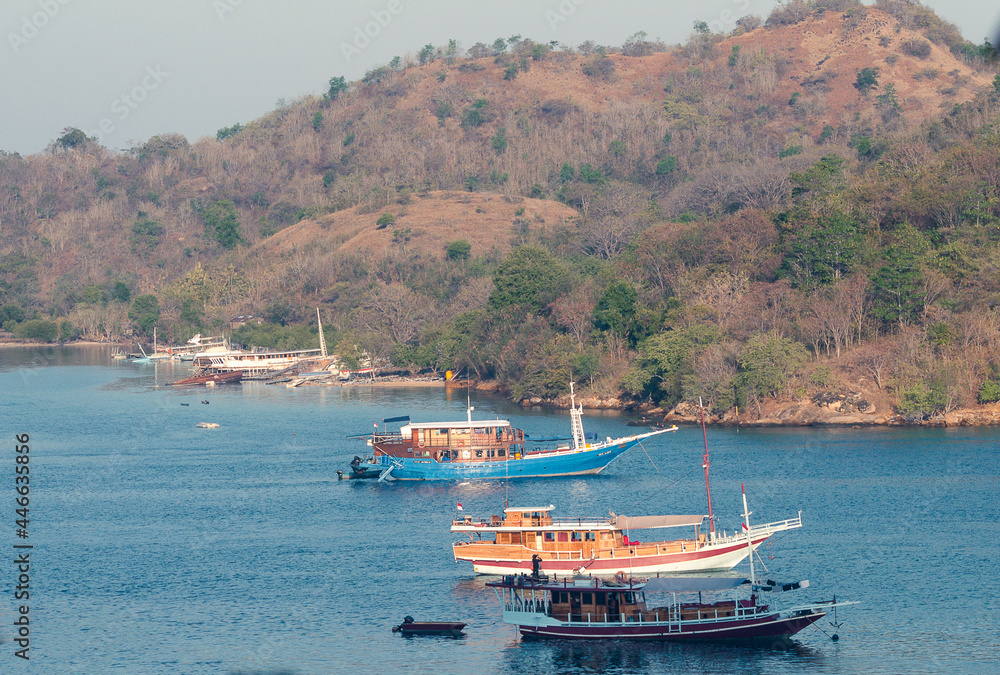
(746, 524)
(322, 338)
(705, 464)
(576, 421)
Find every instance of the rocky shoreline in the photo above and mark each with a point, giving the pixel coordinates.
(824, 409)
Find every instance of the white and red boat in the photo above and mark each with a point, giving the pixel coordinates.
(591, 608)
(528, 539)
(531, 540)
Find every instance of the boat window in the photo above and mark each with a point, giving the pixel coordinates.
(502, 452)
(588, 599)
(549, 536)
(601, 598)
(479, 453)
(575, 536)
(563, 597)
(589, 536)
(563, 536)
(627, 597)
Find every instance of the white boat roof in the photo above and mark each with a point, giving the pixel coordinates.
(579, 524)
(532, 509)
(463, 424)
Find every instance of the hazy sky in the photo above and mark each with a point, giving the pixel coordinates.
(127, 70)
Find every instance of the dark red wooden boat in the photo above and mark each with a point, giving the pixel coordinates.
(213, 378)
(591, 608)
(411, 627)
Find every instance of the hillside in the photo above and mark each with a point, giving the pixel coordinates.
(818, 190)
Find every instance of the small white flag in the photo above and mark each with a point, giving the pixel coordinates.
(744, 526)
(460, 506)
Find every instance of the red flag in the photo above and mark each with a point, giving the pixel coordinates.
(460, 506)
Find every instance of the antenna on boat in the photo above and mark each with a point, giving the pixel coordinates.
(746, 524)
(705, 464)
(469, 409)
(576, 421)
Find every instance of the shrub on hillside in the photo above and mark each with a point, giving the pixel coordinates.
(600, 68)
(919, 48)
(788, 13)
(555, 110)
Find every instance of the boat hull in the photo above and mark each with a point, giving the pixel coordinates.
(592, 460)
(430, 628)
(709, 558)
(213, 378)
(756, 629)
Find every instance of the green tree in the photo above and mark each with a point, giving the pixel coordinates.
(317, 121)
(666, 166)
(121, 292)
(145, 312)
(222, 224)
(42, 330)
(66, 331)
(145, 235)
(71, 138)
(225, 132)
(458, 250)
(897, 286)
(824, 253)
(499, 141)
(338, 85)
(665, 360)
(529, 278)
(617, 311)
(867, 80)
(384, 221)
(823, 177)
(766, 362)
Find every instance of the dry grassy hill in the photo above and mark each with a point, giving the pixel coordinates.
(456, 148)
(426, 223)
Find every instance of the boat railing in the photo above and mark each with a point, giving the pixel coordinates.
(760, 530)
(533, 525)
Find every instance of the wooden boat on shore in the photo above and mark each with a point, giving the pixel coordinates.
(591, 608)
(483, 449)
(231, 377)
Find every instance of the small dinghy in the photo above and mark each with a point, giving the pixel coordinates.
(411, 627)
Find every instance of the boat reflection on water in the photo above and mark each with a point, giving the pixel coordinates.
(571, 657)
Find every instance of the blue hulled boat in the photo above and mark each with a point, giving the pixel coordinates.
(482, 449)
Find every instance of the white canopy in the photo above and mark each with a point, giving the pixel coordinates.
(692, 584)
(650, 522)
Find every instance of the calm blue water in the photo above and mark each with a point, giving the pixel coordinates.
(163, 548)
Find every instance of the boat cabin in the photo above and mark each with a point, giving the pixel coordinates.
(591, 600)
(585, 600)
(465, 441)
